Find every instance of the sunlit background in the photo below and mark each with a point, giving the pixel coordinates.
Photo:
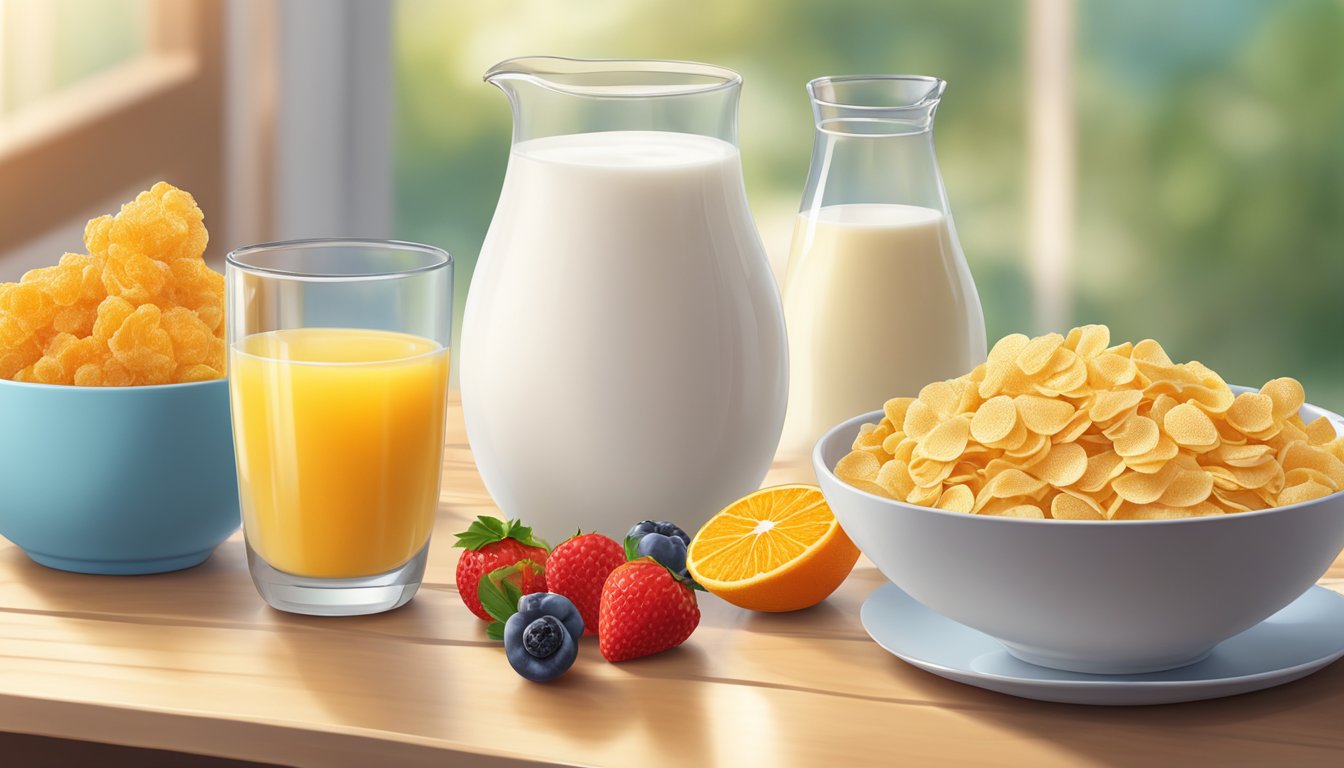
(1172, 168)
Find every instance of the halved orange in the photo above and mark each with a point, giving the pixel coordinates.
(778, 549)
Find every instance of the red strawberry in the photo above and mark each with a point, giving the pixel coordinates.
(491, 544)
(577, 569)
(645, 609)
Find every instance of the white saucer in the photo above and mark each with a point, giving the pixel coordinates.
(1293, 643)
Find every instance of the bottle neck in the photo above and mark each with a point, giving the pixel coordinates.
(850, 166)
(874, 141)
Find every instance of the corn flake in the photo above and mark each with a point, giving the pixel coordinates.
(1060, 426)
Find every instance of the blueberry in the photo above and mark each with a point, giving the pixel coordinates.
(644, 527)
(543, 637)
(673, 530)
(539, 648)
(540, 604)
(641, 528)
(667, 550)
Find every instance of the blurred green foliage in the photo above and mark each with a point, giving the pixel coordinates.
(1211, 156)
(1212, 183)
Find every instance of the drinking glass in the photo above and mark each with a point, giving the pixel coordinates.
(338, 376)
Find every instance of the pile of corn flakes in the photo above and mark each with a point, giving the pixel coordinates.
(1073, 428)
(140, 308)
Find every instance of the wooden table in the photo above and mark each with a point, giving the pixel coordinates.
(193, 662)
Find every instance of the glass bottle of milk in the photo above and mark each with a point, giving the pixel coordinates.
(878, 298)
(623, 354)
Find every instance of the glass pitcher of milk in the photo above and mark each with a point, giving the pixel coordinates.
(623, 353)
(878, 296)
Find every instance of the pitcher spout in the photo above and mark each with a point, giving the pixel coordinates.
(554, 95)
(630, 78)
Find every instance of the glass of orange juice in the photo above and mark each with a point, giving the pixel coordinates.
(338, 376)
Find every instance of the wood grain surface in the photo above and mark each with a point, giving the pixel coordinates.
(194, 662)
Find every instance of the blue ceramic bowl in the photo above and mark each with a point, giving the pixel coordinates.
(117, 480)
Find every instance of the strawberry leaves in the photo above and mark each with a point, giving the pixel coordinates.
(486, 530)
(688, 581)
(501, 589)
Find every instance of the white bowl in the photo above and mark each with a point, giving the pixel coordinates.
(1101, 597)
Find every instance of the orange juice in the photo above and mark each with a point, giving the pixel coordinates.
(339, 438)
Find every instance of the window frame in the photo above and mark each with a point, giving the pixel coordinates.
(161, 112)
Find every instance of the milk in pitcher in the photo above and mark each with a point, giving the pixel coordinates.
(623, 352)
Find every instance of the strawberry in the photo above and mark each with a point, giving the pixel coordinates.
(645, 609)
(493, 544)
(578, 567)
